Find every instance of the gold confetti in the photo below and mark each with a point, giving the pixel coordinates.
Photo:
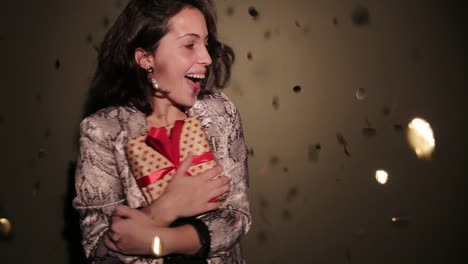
(5, 227)
(381, 176)
(421, 138)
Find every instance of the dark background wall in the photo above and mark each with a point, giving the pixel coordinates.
(299, 65)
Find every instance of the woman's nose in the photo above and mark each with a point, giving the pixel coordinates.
(204, 56)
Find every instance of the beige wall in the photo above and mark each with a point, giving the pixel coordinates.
(323, 207)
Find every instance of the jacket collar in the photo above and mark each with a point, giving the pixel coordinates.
(136, 120)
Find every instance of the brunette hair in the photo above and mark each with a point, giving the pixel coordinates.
(120, 81)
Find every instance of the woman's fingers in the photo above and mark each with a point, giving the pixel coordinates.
(219, 191)
(211, 173)
(212, 206)
(184, 165)
(109, 244)
(218, 182)
(123, 211)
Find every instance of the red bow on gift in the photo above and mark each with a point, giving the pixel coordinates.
(168, 146)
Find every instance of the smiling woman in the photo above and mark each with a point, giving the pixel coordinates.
(156, 68)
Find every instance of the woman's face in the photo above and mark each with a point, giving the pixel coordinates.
(181, 59)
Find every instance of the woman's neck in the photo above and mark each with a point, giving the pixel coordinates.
(164, 113)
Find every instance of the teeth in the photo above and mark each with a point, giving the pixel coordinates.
(197, 76)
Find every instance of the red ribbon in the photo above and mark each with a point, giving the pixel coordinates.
(159, 174)
(168, 146)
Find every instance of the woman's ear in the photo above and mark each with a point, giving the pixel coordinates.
(143, 58)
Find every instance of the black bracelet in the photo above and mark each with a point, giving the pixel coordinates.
(205, 241)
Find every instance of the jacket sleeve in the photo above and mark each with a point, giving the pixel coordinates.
(232, 221)
(98, 190)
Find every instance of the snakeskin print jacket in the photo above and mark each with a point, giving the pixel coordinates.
(104, 180)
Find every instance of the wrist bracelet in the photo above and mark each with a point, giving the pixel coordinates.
(156, 247)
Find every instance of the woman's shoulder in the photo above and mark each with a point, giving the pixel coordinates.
(218, 102)
(108, 120)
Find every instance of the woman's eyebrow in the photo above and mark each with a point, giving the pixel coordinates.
(192, 35)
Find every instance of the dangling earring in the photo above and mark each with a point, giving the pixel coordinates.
(153, 81)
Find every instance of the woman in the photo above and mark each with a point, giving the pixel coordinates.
(154, 67)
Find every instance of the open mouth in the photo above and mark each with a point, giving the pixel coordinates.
(195, 80)
(195, 77)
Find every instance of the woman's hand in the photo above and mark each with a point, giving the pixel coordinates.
(131, 232)
(188, 196)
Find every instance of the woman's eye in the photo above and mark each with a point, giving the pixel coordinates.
(190, 46)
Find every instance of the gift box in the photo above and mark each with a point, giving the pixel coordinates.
(154, 157)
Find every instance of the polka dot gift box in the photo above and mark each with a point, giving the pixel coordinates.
(154, 157)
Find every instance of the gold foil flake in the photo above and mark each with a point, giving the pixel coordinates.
(5, 227)
(361, 94)
(381, 176)
(421, 138)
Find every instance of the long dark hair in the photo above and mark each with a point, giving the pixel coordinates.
(120, 81)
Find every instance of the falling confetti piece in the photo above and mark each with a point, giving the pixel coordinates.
(285, 169)
(386, 111)
(292, 193)
(369, 132)
(286, 214)
(421, 138)
(274, 160)
(5, 227)
(297, 24)
(335, 21)
(36, 188)
(275, 103)
(264, 171)
(249, 56)
(360, 16)
(96, 48)
(262, 237)
(253, 12)
(89, 38)
(105, 21)
(251, 152)
(399, 222)
(348, 255)
(263, 207)
(341, 140)
(368, 123)
(38, 98)
(381, 176)
(57, 64)
(313, 153)
(361, 94)
(297, 89)
(267, 34)
(263, 202)
(230, 11)
(42, 153)
(318, 146)
(346, 151)
(398, 127)
(47, 133)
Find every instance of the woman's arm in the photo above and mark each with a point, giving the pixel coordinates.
(98, 187)
(232, 221)
(131, 231)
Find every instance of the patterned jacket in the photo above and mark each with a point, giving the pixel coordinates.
(104, 180)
